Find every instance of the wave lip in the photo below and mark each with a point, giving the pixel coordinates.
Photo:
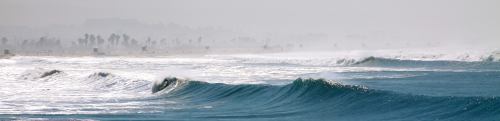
(351, 58)
(167, 83)
(302, 99)
(318, 98)
(41, 74)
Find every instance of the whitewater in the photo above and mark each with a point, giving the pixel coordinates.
(344, 85)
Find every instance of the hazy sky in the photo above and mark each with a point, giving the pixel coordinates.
(434, 19)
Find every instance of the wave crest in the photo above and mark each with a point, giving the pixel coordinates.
(41, 74)
(304, 96)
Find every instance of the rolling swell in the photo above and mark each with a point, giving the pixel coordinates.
(323, 100)
(387, 62)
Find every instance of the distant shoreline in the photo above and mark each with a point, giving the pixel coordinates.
(145, 54)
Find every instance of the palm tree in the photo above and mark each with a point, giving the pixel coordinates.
(111, 39)
(92, 40)
(134, 42)
(117, 39)
(100, 41)
(4, 41)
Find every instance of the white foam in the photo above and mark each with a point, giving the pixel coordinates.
(72, 91)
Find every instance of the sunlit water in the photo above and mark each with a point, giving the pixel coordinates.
(356, 86)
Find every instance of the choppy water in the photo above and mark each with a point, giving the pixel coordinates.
(286, 86)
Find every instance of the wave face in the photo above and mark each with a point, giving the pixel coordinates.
(264, 87)
(385, 62)
(309, 99)
(306, 99)
(303, 99)
(349, 58)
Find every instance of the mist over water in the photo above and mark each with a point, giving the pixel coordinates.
(287, 25)
(250, 60)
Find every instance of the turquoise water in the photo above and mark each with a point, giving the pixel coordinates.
(401, 90)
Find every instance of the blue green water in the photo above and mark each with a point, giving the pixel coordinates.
(411, 90)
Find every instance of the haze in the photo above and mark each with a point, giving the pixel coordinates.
(456, 22)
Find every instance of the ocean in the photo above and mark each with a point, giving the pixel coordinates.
(338, 86)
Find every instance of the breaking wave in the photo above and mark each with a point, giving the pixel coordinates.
(303, 99)
(317, 98)
(336, 59)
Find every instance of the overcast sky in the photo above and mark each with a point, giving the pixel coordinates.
(434, 19)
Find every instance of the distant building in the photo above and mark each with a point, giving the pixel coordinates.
(6, 52)
(96, 51)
